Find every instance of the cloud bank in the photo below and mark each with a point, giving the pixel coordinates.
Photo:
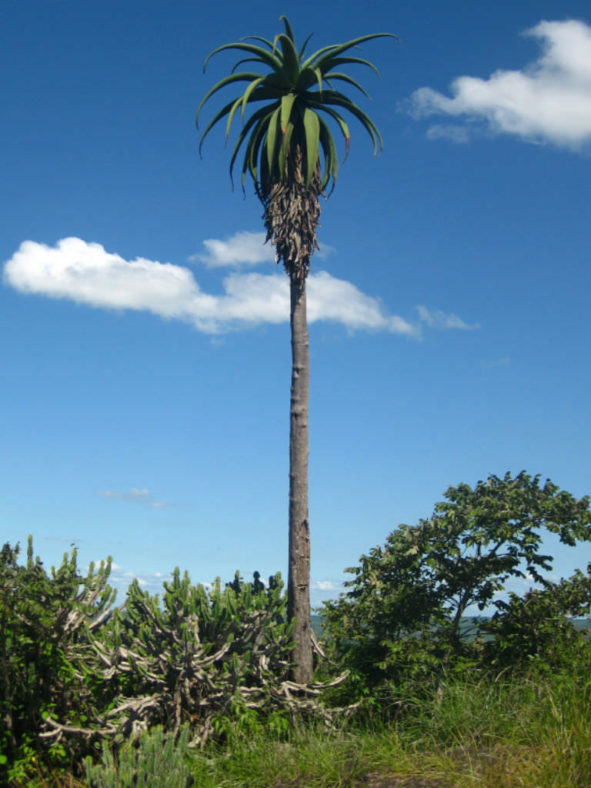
(88, 274)
(548, 101)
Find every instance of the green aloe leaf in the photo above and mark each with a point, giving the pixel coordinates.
(312, 134)
(287, 103)
(261, 54)
(273, 132)
(242, 77)
(349, 80)
(338, 49)
(331, 63)
(291, 65)
(248, 93)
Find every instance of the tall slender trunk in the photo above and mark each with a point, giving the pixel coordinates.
(298, 585)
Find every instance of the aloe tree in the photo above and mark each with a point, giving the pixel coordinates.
(288, 114)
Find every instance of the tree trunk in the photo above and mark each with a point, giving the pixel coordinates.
(298, 583)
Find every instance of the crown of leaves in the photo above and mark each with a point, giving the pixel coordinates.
(299, 96)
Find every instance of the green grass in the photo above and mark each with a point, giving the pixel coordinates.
(483, 733)
(518, 733)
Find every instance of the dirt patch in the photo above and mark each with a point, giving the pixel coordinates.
(377, 780)
(410, 781)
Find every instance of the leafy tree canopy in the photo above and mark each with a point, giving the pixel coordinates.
(421, 583)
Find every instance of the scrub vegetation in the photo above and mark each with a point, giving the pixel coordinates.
(432, 670)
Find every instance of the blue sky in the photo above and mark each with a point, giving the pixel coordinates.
(144, 358)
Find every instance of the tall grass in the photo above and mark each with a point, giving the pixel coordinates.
(525, 733)
(530, 732)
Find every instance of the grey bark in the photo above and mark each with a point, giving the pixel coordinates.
(298, 594)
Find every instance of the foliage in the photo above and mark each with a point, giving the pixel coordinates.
(75, 671)
(152, 759)
(403, 615)
(194, 654)
(538, 626)
(210, 666)
(509, 732)
(46, 621)
(298, 92)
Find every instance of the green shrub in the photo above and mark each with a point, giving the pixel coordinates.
(46, 625)
(193, 655)
(402, 621)
(538, 626)
(73, 670)
(152, 759)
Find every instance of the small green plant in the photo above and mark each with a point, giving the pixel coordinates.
(152, 759)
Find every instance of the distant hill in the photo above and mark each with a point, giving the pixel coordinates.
(467, 625)
(317, 624)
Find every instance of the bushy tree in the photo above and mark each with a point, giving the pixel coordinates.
(405, 611)
(46, 624)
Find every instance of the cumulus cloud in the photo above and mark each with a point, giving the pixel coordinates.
(242, 249)
(436, 318)
(86, 273)
(326, 585)
(323, 590)
(139, 495)
(548, 101)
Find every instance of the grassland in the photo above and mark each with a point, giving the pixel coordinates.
(527, 733)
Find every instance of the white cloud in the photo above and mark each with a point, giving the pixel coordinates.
(326, 585)
(121, 578)
(86, 273)
(131, 495)
(548, 101)
(436, 318)
(242, 249)
(138, 495)
(340, 301)
(458, 134)
(323, 590)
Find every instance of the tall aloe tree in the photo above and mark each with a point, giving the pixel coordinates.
(288, 114)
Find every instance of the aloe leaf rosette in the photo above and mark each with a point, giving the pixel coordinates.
(295, 105)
